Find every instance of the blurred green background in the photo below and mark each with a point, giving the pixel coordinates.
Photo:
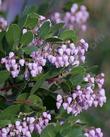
(99, 39)
(97, 35)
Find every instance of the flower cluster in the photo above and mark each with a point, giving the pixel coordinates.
(76, 18)
(33, 67)
(11, 64)
(39, 60)
(94, 132)
(3, 24)
(93, 94)
(27, 126)
(69, 54)
(36, 66)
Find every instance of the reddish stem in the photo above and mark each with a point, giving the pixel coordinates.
(9, 87)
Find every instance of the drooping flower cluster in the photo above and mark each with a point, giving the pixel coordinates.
(76, 18)
(94, 132)
(93, 94)
(36, 66)
(3, 24)
(68, 54)
(39, 60)
(11, 64)
(27, 126)
(33, 67)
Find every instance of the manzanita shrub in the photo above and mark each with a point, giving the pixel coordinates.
(44, 82)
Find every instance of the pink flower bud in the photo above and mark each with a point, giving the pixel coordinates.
(11, 54)
(21, 62)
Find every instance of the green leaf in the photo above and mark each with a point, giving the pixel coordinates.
(92, 69)
(69, 131)
(53, 87)
(10, 113)
(2, 34)
(36, 101)
(65, 87)
(26, 38)
(42, 77)
(57, 28)
(2, 102)
(22, 96)
(54, 39)
(13, 35)
(4, 122)
(21, 99)
(31, 20)
(70, 84)
(53, 72)
(4, 75)
(68, 35)
(78, 70)
(29, 50)
(49, 98)
(45, 29)
(75, 77)
(39, 81)
(35, 134)
(49, 131)
(42, 92)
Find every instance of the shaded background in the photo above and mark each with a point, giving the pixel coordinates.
(98, 35)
